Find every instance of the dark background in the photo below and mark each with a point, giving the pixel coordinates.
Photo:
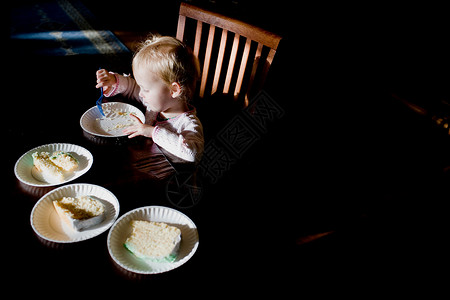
(346, 156)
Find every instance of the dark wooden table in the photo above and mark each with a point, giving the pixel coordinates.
(369, 181)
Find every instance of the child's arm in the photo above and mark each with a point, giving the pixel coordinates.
(186, 144)
(114, 84)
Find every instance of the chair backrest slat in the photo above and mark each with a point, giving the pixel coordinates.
(223, 42)
(254, 68)
(207, 59)
(198, 37)
(180, 28)
(226, 87)
(242, 68)
(269, 60)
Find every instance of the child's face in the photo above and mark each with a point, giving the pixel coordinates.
(154, 91)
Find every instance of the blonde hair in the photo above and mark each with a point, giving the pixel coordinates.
(171, 60)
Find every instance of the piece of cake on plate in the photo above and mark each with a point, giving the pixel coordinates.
(80, 213)
(153, 241)
(47, 169)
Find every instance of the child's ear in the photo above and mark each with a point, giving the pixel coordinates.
(175, 89)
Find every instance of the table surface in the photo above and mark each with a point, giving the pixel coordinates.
(253, 220)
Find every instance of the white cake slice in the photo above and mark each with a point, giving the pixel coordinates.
(80, 213)
(45, 170)
(153, 241)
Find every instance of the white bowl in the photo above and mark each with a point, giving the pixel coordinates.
(115, 120)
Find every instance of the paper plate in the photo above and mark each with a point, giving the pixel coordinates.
(115, 120)
(27, 173)
(48, 225)
(122, 229)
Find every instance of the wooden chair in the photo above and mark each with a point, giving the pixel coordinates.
(255, 58)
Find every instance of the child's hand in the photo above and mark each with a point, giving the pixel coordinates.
(139, 129)
(105, 80)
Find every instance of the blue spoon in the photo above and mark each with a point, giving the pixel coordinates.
(99, 102)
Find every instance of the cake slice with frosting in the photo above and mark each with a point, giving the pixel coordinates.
(80, 213)
(153, 241)
(46, 169)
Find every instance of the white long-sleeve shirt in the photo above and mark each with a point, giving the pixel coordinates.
(181, 137)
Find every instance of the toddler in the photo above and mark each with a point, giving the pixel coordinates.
(165, 73)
